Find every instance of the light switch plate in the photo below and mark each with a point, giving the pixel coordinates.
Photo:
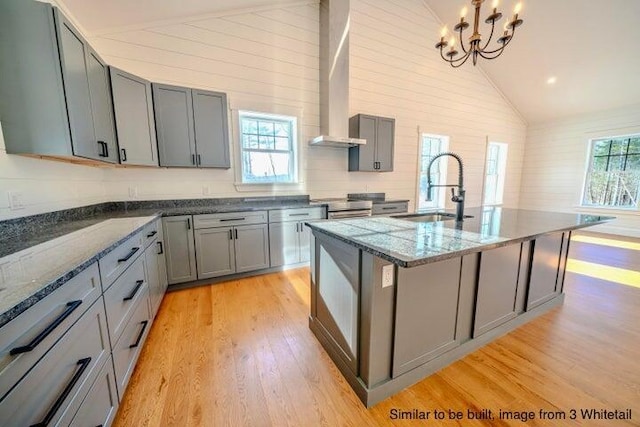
(16, 200)
(387, 275)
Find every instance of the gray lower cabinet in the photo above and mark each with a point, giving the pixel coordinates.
(192, 127)
(156, 272)
(289, 243)
(135, 124)
(228, 250)
(497, 287)
(426, 313)
(377, 154)
(55, 98)
(53, 390)
(101, 404)
(544, 283)
(179, 248)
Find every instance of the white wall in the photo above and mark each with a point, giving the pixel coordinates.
(46, 185)
(556, 161)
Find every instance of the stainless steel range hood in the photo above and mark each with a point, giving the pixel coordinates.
(334, 76)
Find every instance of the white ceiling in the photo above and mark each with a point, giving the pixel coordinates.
(589, 46)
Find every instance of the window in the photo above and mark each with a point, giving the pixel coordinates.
(267, 148)
(430, 145)
(613, 173)
(495, 171)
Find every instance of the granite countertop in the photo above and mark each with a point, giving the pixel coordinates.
(408, 244)
(29, 275)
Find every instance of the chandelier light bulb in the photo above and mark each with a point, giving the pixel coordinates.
(518, 8)
(443, 32)
(463, 12)
(495, 3)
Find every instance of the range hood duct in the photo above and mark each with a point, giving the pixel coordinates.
(334, 76)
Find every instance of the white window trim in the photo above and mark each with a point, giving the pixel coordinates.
(441, 202)
(274, 110)
(500, 185)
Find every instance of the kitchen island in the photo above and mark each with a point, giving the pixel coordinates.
(395, 299)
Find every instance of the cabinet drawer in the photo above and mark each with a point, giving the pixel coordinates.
(53, 390)
(100, 406)
(127, 349)
(298, 214)
(117, 261)
(229, 219)
(150, 233)
(389, 208)
(42, 325)
(121, 298)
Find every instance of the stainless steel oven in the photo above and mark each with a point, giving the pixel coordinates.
(345, 208)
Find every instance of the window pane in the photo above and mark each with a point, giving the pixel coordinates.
(249, 126)
(634, 146)
(266, 128)
(282, 143)
(267, 142)
(283, 129)
(601, 148)
(618, 146)
(600, 163)
(266, 167)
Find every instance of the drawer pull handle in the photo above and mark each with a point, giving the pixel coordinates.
(160, 248)
(129, 255)
(71, 306)
(84, 364)
(300, 214)
(144, 326)
(232, 219)
(235, 230)
(389, 208)
(135, 291)
(153, 233)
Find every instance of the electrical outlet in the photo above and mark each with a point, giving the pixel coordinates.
(205, 190)
(387, 275)
(16, 200)
(133, 192)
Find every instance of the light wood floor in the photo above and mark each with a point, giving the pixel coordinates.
(240, 353)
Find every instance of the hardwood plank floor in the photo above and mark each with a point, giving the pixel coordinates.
(240, 353)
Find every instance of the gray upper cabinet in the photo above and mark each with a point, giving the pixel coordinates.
(135, 124)
(211, 129)
(191, 126)
(54, 91)
(377, 154)
(179, 249)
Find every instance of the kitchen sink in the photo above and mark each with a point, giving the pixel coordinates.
(429, 217)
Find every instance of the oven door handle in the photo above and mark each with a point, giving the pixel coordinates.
(350, 214)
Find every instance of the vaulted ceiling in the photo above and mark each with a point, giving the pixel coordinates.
(588, 46)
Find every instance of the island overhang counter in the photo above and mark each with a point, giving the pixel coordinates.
(394, 300)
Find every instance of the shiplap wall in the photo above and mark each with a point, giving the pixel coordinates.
(556, 160)
(396, 72)
(267, 60)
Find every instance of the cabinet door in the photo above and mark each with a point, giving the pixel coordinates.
(304, 236)
(252, 247)
(101, 106)
(155, 290)
(363, 157)
(214, 248)
(162, 264)
(135, 126)
(211, 129)
(73, 58)
(179, 249)
(544, 269)
(385, 130)
(174, 125)
(497, 287)
(284, 243)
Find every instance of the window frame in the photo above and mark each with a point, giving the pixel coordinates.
(630, 134)
(501, 167)
(294, 161)
(439, 201)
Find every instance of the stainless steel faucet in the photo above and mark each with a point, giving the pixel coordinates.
(459, 198)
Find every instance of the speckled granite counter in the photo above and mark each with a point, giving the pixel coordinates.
(29, 275)
(408, 244)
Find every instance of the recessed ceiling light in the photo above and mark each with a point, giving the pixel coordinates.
(552, 80)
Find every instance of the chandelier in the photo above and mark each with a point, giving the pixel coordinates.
(476, 47)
